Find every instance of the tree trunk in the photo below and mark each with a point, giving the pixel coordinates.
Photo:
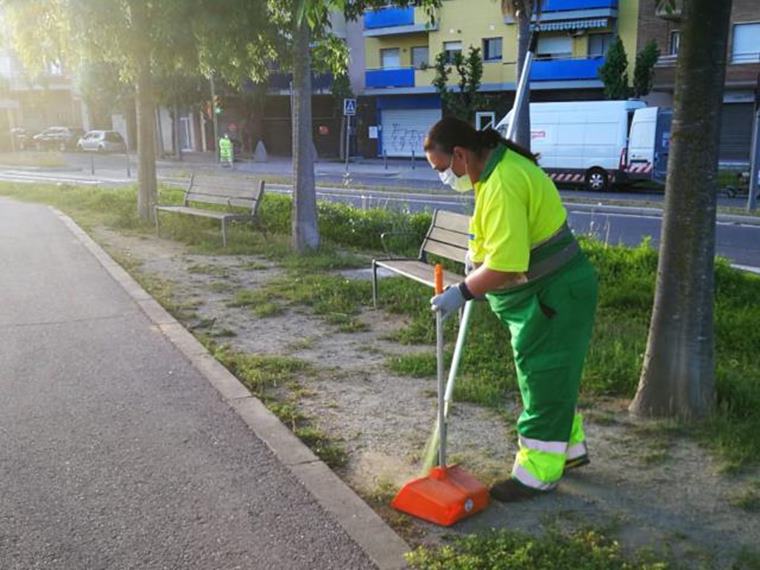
(305, 233)
(176, 133)
(678, 376)
(145, 110)
(522, 136)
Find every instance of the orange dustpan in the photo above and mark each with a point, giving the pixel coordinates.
(447, 494)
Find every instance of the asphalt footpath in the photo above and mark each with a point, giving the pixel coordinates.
(124, 445)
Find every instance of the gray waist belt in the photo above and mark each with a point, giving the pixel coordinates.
(550, 264)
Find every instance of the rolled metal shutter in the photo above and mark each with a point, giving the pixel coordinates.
(404, 130)
(736, 132)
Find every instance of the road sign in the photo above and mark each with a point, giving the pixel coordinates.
(349, 107)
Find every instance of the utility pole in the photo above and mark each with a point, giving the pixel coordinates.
(754, 158)
(213, 117)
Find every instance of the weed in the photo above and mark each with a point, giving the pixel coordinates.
(267, 309)
(326, 449)
(208, 269)
(221, 287)
(748, 498)
(504, 549)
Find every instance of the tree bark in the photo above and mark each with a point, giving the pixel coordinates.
(144, 106)
(678, 376)
(305, 233)
(522, 136)
(176, 133)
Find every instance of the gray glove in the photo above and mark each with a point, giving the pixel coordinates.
(448, 302)
(469, 265)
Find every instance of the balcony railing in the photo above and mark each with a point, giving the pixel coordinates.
(572, 5)
(386, 78)
(388, 18)
(567, 69)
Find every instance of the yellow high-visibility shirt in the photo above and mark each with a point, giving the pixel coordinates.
(517, 206)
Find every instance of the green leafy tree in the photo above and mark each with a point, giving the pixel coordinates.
(678, 375)
(464, 102)
(643, 73)
(138, 37)
(614, 71)
(234, 44)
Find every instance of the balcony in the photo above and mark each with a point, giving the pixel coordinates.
(573, 5)
(566, 69)
(387, 78)
(575, 14)
(393, 21)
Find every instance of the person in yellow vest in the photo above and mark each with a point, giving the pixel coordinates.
(226, 150)
(526, 262)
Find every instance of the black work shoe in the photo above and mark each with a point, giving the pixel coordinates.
(510, 491)
(576, 462)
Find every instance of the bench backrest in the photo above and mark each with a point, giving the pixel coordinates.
(230, 191)
(447, 236)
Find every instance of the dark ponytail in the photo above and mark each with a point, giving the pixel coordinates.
(450, 132)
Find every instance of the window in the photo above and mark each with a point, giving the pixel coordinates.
(492, 49)
(675, 42)
(420, 57)
(390, 58)
(598, 44)
(485, 120)
(554, 47)
(450, 48)
(745, 47)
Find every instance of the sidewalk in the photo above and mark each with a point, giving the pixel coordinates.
(116, 451)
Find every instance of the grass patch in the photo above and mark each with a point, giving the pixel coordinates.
(327, 449)
(221, 287)
(253, 266)
(209, 269)
(512, 550)
(267, 309)
(747, 499)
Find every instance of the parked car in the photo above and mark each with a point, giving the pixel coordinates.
(60, 138)
(22, 138)
(102, 141)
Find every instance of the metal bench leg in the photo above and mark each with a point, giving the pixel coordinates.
(374, 284)
(224, 232)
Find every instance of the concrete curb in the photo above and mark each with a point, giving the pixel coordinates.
(363, 525)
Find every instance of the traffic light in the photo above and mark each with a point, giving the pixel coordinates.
(217, 105)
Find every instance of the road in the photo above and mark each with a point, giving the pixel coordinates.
(115, 452)
(739, 242)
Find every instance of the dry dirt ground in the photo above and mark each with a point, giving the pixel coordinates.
(647, 485)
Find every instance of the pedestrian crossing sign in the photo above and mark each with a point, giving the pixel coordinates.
(349, 107)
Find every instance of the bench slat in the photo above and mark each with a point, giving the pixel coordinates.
(452, 221)
(419, 271)
(248, 192)
(447, 236)
(202, 212)
(446, 250)
(221, 200)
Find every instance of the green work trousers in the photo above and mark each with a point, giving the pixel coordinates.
(550, 322)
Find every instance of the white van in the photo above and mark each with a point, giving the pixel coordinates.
(587, 142)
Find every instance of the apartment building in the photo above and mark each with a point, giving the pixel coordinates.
(742, 73)
(401, 45)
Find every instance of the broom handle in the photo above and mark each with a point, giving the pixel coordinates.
(461, 337)
(441, 371)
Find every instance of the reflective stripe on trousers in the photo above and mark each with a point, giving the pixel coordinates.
(539, 464)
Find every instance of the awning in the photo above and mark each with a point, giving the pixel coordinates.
(573, 24)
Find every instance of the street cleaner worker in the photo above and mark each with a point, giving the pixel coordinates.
(526, 262)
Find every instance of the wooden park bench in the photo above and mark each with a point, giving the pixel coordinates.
(447, 237)
(232, 192)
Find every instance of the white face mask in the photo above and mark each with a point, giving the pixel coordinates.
(457, 183)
